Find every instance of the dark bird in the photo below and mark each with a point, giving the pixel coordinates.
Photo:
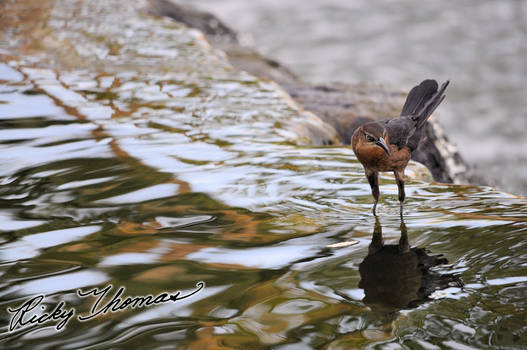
(387, 145)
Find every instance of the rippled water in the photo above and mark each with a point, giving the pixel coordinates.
(133, 156)
(478, 44)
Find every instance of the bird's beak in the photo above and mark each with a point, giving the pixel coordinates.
(384, 146)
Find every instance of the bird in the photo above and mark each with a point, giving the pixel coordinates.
(387, 145)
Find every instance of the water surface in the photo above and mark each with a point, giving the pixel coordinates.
(133, 156)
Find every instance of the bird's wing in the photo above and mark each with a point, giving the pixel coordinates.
(400, 130)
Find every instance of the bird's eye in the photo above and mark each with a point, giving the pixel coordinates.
(369, 138)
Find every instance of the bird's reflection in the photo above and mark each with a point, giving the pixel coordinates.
(399, 276)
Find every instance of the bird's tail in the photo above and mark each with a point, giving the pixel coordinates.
(422, 100)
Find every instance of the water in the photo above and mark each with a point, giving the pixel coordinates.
(479, 45)
(153, 167)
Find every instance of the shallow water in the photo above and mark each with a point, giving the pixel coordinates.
(154, 167)
(478, 44)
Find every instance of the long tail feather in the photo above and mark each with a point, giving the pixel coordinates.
(422, 101)
(430, 106)
(420, 104)
(418, 96)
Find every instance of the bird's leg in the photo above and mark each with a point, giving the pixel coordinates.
(399, 178)
(373, 179)
(404, 245)
(376, 240)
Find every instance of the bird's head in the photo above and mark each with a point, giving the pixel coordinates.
(373, 135)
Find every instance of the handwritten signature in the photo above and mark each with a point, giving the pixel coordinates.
(28, 312)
